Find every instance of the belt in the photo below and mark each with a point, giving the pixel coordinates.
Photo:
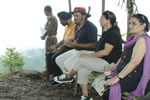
(51, 36)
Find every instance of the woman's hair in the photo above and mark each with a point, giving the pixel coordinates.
(143, 19)
(110, 15)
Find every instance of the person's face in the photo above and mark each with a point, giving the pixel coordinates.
(63, 22)
(78, 18)
(46, 13)
(103, 22)
(135, 26)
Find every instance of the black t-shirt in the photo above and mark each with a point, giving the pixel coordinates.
(87, 34)
(111, 37)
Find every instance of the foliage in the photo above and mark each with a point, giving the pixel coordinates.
(132, 9)
(148, 94)
(4, 73)
(130, 13)
(12, 60)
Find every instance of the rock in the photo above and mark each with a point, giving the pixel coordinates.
(31, 85)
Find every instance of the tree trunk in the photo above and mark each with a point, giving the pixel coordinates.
(69, 1)
(103, 6)
(103, 9)
(130, 13)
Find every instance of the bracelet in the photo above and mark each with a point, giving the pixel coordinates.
(119, 77)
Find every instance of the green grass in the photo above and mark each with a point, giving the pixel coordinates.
(4, 73)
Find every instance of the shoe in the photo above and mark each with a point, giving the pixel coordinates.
(63, 79)
(86, 98)
(55, 83)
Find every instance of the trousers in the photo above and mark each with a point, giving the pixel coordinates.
(52, 67)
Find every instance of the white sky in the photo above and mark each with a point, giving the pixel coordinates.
(20, 20)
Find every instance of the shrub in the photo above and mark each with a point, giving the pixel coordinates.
(12, 60)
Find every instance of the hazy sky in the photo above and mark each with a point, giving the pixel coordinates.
(20, 20)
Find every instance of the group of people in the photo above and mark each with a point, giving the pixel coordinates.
(79, 53)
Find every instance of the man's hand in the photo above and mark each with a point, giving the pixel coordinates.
(43, 37)
(52, 47)
(71, 44)
(55, 50)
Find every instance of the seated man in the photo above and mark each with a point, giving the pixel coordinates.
(85, 40)
(65, 19)
(108, 50)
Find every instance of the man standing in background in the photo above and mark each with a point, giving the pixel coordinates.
(51, 29)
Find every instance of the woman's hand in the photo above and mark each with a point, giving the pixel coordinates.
(112, 81)
(108, 68)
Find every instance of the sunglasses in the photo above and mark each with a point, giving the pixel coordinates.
(143, 18)
(108, 14)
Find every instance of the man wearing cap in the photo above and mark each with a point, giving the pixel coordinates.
(84, 42)
(65, 19)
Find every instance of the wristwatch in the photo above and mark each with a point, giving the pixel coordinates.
(119, 77)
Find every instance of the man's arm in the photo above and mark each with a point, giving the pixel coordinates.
(43, 37)
(60, 43)
(74, 43)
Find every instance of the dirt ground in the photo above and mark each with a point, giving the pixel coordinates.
(32, 85)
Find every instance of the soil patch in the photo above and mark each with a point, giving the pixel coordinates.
(33, 85)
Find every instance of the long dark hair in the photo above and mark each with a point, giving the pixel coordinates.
(143, 19)
(110, 15)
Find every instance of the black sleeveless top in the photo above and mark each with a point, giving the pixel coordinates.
(125, 58)
(130, 82)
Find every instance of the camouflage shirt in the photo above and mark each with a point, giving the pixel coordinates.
(51, 26)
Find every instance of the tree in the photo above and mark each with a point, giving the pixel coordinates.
(12, 60)
(132, 9)
(130, 13)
